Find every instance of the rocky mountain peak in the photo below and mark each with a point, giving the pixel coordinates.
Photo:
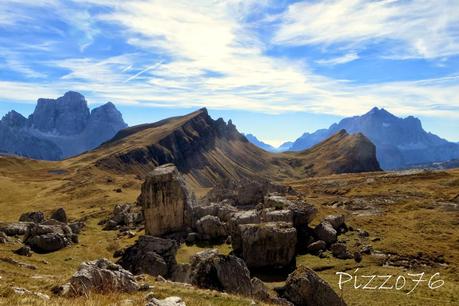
(67, 115)
(14, 119)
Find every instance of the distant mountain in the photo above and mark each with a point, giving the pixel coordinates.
(209, 151)
(59, 128)
(260, 143)
(285, 146)
(400, 142)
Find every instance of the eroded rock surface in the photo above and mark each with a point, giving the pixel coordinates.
(166, 202)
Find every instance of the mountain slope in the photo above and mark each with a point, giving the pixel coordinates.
(209, 151)
(400, 142)
(59, 128)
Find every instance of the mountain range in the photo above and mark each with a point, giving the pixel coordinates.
(209, 151)
(59, 128)
(400, 142)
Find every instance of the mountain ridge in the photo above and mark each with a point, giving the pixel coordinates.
(399, 142)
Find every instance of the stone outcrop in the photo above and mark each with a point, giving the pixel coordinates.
(266, 244)
(305, 288)
(150, 255)
(46, 238)
(166, 202)
(228, 273)
(101, 276)
(339, 250)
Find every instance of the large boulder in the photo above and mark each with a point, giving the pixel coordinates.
(46, 238)
(32, 216)
(166, 201)
(220, 272)
(305, 288)
(101, 276)
(325, 231)
(266, 244)
(150, 255)
(211, 228)
(336, 221)
(339, 250)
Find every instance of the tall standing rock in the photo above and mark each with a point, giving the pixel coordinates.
(166, 201)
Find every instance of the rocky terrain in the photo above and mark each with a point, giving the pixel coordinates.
(187, 212)
(59, 128)
(400, 142)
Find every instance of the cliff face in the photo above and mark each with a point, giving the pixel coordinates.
(165, 201)
(59, 128)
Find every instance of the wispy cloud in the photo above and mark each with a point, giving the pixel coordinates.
(210, 53)
(346, 58)
(413, 29)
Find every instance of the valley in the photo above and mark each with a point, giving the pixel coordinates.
(408, 218)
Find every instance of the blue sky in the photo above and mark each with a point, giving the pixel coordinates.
(277, 68)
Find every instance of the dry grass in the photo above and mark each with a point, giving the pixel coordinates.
(414, 219)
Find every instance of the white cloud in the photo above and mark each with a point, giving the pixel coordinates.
(414, 28)
(346, 58)
(213, 58)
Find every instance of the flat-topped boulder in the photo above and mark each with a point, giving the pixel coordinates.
(270, 244)
(166, 201)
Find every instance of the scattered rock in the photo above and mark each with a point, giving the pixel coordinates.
(166, 202)
(24, 251)
(33, 216)
(127, 215)
(363, 234)
(77, 227)
(305, 288)
(228, 273)
(169, 301)
(23, 291)
(325, 231)
(100, 276)
(150, 255)
(60, 215)
(339, 250)
(18, 263)
(357, 257)
(367, 249)
(317, 246)
(266, 244)
(335, 220)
